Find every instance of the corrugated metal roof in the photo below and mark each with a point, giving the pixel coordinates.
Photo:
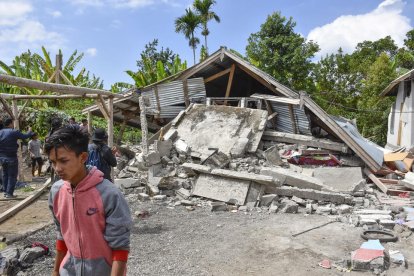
(369, 147)
(284, 122)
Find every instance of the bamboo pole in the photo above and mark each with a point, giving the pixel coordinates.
(60, 88)
(19, 151)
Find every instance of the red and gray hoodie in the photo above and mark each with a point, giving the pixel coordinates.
(92, 223)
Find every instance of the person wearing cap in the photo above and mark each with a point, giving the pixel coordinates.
(8, 155)
(99, 143)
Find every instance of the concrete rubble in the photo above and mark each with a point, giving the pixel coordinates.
(235, 165)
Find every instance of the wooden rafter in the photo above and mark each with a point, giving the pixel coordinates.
(218, 75)
(230, 82)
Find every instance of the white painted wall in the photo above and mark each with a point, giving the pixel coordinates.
(406, 117)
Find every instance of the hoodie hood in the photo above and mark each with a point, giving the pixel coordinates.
(93, 178)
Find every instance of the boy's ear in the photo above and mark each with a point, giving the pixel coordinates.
(84, 157)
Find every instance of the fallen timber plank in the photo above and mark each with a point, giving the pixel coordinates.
(304, 140)
(376, 181)
(27, 201)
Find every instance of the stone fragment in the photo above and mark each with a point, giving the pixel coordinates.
(163, 147)
(31, 254)
(396, 257)
(196, 168)
(243, 209)
(143, 197)
(272, 156)
(176, 160)
(218, 206)
(298, 200)
(217, 160)
(160, 197)
(181, 147)
(239, 148)
(127, 183)
(152, 158)
(183, 193)
(273, 208)
(140, 190)
(289, 206)
(187, 203)
(344, 209)
(266, 200)
(324, 210)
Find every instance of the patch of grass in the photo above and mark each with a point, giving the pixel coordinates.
(28, 189)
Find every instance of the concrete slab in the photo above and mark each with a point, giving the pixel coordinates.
(196, 167)
(262, 179)
(221, 189)
(223, 123)
(291, 178)
(312, 194)
(341, 179)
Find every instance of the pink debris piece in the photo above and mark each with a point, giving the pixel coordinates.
(364, 255)
(325, 264)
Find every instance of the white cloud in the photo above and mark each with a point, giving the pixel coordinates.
(116, 23)
(348, 30)
(13, 12)
(131, 3)
(94, 3)
(55, 14)
(20, 31)
(91, 52)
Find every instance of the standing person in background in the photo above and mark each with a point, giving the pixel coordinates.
(84, 126)
(100, 155)
(72, 121)
(8, 155)
(35, 155)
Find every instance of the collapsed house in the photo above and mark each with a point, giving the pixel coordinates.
(228, 132)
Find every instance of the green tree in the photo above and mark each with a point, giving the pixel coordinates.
(374, 110)
(154, 65)
(188, 24)
(203, 8)
(282, 53)
(409, 41)
(337, 85)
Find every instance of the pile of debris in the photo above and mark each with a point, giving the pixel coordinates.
(222, 158)
(224, 154)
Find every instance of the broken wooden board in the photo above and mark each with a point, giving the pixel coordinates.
(23, 204)
(222, 189)
(376, 181)
(304, 140)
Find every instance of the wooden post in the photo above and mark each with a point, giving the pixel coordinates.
(293, 120)
(58, 68)
(19, 151)
(144, 127)
(90, 122)
(110, 109)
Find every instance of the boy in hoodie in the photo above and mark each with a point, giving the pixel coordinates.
(91, 215)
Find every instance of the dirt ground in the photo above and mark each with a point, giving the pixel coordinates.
(32, 218)
(175, 241)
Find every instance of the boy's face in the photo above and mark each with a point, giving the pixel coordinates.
(67, 165)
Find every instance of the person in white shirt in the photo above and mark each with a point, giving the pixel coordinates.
(35, 155)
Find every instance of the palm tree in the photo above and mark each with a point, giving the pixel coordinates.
(187, 24)
(203, 8)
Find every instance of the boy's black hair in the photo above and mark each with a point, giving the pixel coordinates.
(70, 137)
(84, 120)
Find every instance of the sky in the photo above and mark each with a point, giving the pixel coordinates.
(112, 33)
